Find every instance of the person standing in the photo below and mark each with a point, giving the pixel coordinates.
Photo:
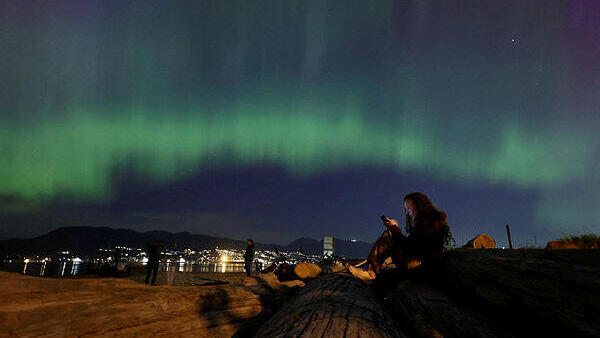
(117, 253)
(154, 253)
(249, 257)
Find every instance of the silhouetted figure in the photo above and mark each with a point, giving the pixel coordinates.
(249, 257)
(427, 236)
(154, 255)
(2, 256)
(117, 253)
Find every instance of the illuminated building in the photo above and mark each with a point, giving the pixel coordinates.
(328, 246)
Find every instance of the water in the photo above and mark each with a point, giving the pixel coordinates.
(69, 268)
(193, 267)
(47, 269)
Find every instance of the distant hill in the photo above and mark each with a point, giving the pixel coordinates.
(86, 240)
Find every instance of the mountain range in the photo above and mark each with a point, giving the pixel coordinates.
(86, 240)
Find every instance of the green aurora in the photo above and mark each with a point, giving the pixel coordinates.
(76, 155)
(168, 90)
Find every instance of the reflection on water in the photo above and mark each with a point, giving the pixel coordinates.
(195, 267)
(77, 267)
(47, 269)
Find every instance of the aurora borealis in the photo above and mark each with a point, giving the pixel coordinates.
(283, 119)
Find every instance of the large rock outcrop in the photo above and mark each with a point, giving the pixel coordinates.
(466, 293)
(35, 307)
(535, 292)
(424, 311)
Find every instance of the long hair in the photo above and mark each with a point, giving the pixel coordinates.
(426, 210)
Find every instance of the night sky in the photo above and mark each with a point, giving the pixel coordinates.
(286, 119)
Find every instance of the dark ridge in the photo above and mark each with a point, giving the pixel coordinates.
(86, 240)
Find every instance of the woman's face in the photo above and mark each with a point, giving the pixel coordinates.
(409, 208)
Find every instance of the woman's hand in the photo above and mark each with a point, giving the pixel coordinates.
(388, 222)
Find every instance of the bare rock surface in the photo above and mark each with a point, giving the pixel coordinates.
(466, 293)
(45, 307)
(425, 312)
(334, 305)
(537, 291)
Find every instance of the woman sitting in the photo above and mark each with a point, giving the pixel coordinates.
(427, 235)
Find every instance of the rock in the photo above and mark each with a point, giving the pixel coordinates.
(33, 306)
(481, 241)
(471, 293)
(273, 292)
(529, 289)
(331, 305)
(307, 270)
(425, 312)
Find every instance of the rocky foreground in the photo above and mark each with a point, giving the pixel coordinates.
(471, 293)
